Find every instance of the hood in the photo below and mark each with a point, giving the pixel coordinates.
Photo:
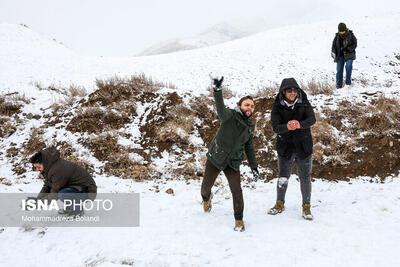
(49, 156)
(288, 83)
(237, 109)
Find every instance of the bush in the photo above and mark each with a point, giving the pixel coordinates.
(9, 107)
(35, 142)
(318, 87)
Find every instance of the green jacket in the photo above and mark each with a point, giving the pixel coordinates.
(234, 135)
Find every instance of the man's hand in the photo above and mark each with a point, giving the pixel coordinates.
(293, 125)
(216, 81)
(256, 174)
(333, 55)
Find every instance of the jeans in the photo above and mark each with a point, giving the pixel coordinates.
(304, 167)
(233, 177)
(75, 196)
(339, 74)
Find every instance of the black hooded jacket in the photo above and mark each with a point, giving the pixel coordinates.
(298, 141)
(60, 173)
(347, 47)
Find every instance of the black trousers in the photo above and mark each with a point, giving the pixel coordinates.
(304, 167)
(211, 173)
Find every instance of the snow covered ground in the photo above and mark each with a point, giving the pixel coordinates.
(355, 224)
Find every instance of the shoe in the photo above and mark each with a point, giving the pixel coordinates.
(239, 226)
(207, 204)
(307, 212)
(64, 211)
(278, 208)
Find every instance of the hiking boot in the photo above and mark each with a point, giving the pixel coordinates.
(278, 208)
(239, 226)
(307, 212)
(65, 211)
(207, 204)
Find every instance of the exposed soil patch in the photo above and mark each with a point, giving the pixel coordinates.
(353, 140)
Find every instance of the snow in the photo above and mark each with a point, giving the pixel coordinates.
(354, 223)
(248, 63)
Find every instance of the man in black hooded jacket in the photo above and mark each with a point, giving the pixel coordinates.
(291, 117)
(344, 51)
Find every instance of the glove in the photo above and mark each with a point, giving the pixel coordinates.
(333, 55)
(256, 174)
(216, 82)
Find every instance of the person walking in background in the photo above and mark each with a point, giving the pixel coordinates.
(291, 117)
(343, 53)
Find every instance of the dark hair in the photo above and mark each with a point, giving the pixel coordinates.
(243, 99)
(37, 158)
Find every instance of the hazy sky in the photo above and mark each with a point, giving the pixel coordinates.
(124, 28)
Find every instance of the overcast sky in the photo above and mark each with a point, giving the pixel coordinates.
(125, 28)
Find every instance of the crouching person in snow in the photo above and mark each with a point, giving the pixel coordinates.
(291, 118)
(63, 180)
(226, 151)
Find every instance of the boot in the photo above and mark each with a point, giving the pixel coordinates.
(207, 204)
(278, 208)
(307, 212)
(239, 226)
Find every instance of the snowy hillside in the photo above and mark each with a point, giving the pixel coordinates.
(217, 34)
(143, 124)
(248, 63)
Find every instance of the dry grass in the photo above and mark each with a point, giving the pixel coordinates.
(16, 97)
(363, 81)
(76, 91)
(57, 107)
(69, 153)
(382, 117)
(35, 142)
(9, 107)
(268, 91)
(6, 127)
(116, 157)
(176, 131)
(328, 148)
(124, 167)
(178, 125)
(188, 169)
(116, 89)
(226, 92)
(97, 120)
(379, 119)
(318, 87)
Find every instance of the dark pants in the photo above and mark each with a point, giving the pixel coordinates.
(339, 74)
(233, 177)
(74, 195)
(304, 168)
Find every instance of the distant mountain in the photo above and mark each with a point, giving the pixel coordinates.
(220, 33)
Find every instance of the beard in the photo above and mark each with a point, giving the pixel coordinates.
(245, 113)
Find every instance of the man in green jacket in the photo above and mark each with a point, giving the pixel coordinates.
(226, 150)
